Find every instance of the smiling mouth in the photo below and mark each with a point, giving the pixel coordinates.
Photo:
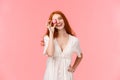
(59, 24)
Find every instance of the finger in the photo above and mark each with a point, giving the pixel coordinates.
(55, 25)
(50, 23)
(72, 70)
(70, 66)
(69, 69)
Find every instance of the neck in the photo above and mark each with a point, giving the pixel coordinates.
(62, 33)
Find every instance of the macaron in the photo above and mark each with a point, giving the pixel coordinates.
(54, 21)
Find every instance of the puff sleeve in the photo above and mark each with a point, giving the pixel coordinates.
(77, 48)
(46, 40)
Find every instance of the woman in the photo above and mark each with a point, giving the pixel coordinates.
(59, 45)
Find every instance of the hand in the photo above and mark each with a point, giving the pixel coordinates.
(42, 43)
(71, 69)
(51, 26)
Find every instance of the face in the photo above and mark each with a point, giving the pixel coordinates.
(59, 21)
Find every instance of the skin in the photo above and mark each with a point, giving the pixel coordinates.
(62, 39)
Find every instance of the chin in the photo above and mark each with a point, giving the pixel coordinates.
(59, 28)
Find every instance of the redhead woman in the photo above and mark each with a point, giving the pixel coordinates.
(59, 44)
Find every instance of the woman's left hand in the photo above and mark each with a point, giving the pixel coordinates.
(71, 69)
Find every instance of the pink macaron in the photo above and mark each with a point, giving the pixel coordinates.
(54, 21)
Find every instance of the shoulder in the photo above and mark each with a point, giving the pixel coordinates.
(74, 38)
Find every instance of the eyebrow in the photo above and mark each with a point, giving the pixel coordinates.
(59, 17)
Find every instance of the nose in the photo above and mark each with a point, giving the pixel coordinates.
(58, 21)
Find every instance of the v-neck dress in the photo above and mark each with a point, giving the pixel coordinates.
(57, 65)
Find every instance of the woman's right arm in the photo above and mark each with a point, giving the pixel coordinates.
(50, 48)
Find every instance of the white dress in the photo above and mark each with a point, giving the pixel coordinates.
(57, 66)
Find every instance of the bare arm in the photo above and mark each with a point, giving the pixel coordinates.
(50, 49)
(76, 63)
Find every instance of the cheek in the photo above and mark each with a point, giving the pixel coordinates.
(62, 21)
(63, 24)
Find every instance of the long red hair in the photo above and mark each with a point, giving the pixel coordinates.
(67, 25)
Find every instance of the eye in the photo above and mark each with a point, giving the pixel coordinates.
(60, 18)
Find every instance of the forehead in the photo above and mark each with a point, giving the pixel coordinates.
(55, 16)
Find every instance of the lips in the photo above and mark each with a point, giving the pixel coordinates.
(59, 24)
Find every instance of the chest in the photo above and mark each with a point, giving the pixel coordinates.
(63, 47)
(62, 43)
